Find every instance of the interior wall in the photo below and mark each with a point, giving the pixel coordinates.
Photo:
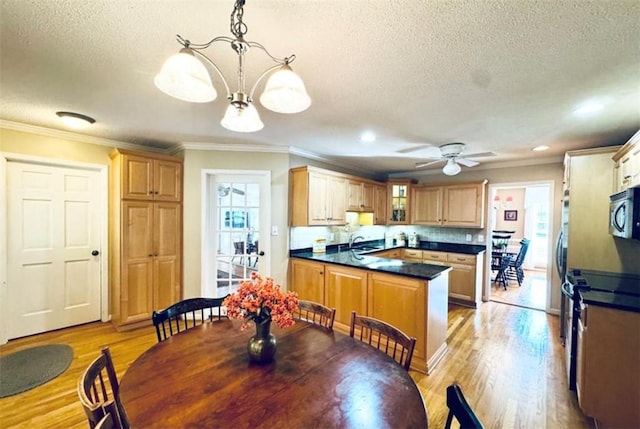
(197, 160)
(516, 204)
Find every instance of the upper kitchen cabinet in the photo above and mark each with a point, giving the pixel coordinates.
(316, 197)
(456, 205)
(627, 164)
(380, 204)
(360, 197)
(398, 201)
(148, 177)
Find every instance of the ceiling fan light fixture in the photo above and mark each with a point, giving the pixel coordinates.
(451, 168)
(76, 121)
(185, 77)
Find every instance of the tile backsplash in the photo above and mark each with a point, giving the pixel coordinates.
(303, 237)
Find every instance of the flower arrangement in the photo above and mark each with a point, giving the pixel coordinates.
(261, 300)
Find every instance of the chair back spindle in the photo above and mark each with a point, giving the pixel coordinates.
(384, 337)
(186, 314)
(315, 313)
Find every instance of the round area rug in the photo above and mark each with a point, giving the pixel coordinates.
(32, 367)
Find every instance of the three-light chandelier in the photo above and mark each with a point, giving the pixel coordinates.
(185, 77)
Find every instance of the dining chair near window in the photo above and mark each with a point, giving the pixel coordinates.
(383, 336)
(502, 266)
(238, 247)
(315, 313)
(515, 266)
(186, 314)
(99, 392)
(460, 409)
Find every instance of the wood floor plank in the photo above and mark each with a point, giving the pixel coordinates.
(508, 360)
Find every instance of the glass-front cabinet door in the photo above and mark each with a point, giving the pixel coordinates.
(398, 202)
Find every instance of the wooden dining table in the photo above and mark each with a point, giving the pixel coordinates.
(202, 378)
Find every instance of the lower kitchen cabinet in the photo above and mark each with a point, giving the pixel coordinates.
(346, 291)
(465, 278)
(608, 370)
(418, 307)
(306, 278)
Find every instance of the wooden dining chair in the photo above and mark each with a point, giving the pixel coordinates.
(383, 336)
(108, 422)
(460, 409)
(99, 392)
(186, 314)
(315, 313)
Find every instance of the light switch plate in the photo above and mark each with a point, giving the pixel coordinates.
(274, 230)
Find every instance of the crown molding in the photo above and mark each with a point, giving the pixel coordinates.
(67, 135)
(227, 147)
(318, 157)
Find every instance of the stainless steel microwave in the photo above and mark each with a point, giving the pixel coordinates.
(624, 214)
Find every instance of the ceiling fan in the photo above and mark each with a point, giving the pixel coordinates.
(223, 191)
(451, 153)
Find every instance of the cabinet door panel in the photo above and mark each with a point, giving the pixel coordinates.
(167, 183)
(346, 291)
(137, 177)
(426, 208)
(402, 304)
(166, 289)
(136, 294)
(167, 223)
(462, 282)
(137, 230)
(337, 200)
(380, 205)
(463, 206)
(317, 199)
(307, 280)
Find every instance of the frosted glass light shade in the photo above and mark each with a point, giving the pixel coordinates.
(245, 120)
(75, 120)
(285, 92)
(185, 77)
(451, 169)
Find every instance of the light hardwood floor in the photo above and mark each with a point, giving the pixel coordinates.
(507, 359)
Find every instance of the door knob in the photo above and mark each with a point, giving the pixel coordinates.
(261, 253)
(95, 253)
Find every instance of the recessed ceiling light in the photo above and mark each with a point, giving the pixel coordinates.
(540, 148)
(588, 108)
(368, 137)
(75, 120)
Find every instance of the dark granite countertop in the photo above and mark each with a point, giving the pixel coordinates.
(352, 259)
(618, 301)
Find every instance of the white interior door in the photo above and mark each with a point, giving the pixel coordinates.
(53, 247)
(237, 236)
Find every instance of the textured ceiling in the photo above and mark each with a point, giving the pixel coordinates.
(499, 76)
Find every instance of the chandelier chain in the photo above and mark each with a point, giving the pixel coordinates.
(239, 28)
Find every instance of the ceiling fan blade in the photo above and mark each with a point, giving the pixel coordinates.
(479, 154)
(424, 164)
(237, 191)
(467, 162)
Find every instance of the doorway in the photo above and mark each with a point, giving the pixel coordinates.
(236, 219)
(55, 264)
(521, 211)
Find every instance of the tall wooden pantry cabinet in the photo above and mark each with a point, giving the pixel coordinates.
(145, 235)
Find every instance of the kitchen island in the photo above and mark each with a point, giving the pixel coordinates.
(412, 296)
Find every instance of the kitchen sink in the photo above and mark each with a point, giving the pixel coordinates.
(365, 248)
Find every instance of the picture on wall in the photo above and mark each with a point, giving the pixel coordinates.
(511, 215)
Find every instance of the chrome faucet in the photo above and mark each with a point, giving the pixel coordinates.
(352, 240)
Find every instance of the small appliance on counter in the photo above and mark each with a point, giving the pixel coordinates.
(414, 240)
(401, 239)
(319, 245)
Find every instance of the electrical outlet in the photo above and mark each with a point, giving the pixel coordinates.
(332, 237)
(481, 238)
(469, 238)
